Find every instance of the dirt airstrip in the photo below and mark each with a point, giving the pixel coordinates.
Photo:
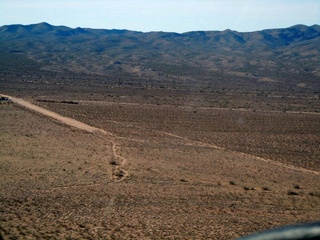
(127, 177)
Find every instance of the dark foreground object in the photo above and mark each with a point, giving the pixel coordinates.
(296, 232)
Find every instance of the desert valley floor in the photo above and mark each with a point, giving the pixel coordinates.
(149, 171)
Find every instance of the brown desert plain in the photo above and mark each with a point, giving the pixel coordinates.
(118, 134)
(103, 169)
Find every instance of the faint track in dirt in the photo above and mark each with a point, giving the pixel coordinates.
(203, 144)
(195, 142)
(118, 173)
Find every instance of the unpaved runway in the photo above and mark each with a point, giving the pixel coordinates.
(119, 173)
(65, 120)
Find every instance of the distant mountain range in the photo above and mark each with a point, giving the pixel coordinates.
(286, 57)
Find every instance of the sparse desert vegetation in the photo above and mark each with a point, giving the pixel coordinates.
(179, 144)
(57, 182)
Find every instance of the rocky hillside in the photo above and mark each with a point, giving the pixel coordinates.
(275, 58)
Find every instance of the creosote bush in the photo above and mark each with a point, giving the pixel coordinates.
(232, 183)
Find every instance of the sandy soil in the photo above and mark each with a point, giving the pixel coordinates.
(138, 182)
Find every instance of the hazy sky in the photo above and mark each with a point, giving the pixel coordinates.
(163, 15)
